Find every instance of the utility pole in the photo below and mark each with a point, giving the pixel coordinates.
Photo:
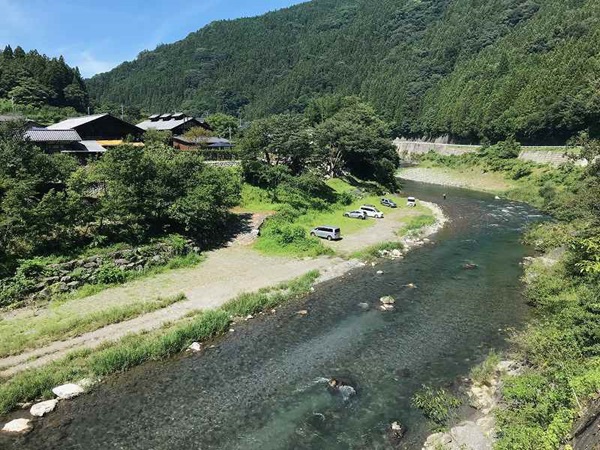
(122, 112)
(230, 132)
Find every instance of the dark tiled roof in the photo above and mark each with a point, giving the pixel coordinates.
(75, 122)
(47, 135)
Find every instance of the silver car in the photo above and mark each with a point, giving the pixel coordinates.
(357, 214)
(329, 233)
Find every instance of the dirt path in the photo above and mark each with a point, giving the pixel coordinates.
(225, 274)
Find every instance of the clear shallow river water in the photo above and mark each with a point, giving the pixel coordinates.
(261, 387)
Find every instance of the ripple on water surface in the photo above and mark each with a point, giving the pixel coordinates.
(264, 387)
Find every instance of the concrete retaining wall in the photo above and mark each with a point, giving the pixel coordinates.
(553, 155)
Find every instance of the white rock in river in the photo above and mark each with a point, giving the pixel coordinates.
(387, 300)
(380, 272)
(67, 391)
(396, 253)
(43, 408)
(21, 426)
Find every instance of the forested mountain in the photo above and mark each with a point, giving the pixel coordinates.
(469, 68)
(34, 80)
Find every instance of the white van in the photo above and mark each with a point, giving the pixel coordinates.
(371, 211)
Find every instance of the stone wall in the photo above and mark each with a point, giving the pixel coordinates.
(39, 281)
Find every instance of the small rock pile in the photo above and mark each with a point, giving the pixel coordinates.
(65, 392)
(391, 254)
(479, 433)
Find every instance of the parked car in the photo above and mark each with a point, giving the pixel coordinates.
(371, 211)
(329, 233)
(389, 203)
(357, 214)
(411, 202)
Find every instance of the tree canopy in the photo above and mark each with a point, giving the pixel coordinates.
(32, 79)
(347, 137)
(49, 204)
(466, 68)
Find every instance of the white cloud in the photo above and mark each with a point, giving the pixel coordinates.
(90, 65)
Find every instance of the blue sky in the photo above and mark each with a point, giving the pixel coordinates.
(98, 35)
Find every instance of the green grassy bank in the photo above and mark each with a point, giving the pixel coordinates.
(138, 349)
(296, 212)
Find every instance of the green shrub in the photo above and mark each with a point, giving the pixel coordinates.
(109, 273)
(484, 372)
(281, 237)
(345, 198)
(436, 404)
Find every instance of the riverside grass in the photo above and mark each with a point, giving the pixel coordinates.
(19, 335)
(560, 346)
(138, 349)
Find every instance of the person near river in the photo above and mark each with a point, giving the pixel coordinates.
(337, 386)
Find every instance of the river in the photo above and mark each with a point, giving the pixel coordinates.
(262, 386)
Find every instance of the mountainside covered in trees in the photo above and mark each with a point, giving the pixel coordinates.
(469, 68)
(34, 80)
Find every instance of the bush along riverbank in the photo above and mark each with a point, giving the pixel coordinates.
(134, 350)
(558, 354)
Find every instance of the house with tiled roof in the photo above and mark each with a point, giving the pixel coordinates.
(176, 123)
(106, 129)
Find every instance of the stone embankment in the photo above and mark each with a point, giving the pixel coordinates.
(45, 281)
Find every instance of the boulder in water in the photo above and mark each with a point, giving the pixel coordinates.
(470, 266)
(18, 426)
(302, 312)
(396, 432)
(43, 408)
(364, 305)
(387, 300)
(410, 286)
